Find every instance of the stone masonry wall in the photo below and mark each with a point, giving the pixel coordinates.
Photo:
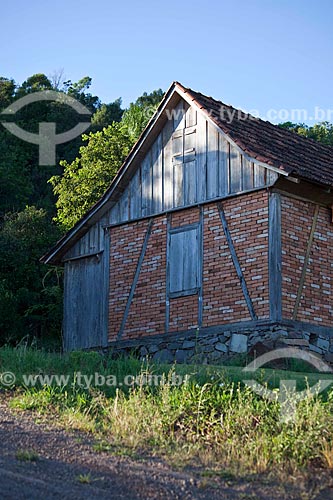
(214, 348)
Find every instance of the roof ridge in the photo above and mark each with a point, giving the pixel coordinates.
(260, 140)
(277, 127)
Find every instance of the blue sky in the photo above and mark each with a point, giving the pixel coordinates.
(257, 55)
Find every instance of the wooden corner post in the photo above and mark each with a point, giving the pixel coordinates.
(275, 257)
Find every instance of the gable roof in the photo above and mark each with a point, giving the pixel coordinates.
(263, 142)
(290, 152)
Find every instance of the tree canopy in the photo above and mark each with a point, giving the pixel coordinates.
(30, 295)
(32, 196)
(84, 180)
(321, 132)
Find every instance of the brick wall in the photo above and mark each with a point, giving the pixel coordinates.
(223, 300)
(125, 245)
(147, 312)
(316, 305)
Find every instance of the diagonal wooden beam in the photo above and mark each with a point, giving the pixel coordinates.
(306, 262)
(236, 262)
(135, 279)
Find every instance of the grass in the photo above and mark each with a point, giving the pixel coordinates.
(213, 420)
(24, 361)
(327, 452)
(27, 456)
(102, 447)
(84, 478)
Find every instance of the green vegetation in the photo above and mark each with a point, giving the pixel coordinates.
(212, 419)
(321, 132)
(80, 185)
(84, 478)
(86, 179)
(38, 203)
(29, 292)
(27, 456)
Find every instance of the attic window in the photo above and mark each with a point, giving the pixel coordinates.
(183, 145)
(184, 251)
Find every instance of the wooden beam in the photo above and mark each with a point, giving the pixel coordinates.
(306, 262)
(135, 279)
(198, 204)
(236, 262)
(167, 288)
(84, 256)
(275, 257)
(200, 269)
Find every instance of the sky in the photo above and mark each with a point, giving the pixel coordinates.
(270, 58)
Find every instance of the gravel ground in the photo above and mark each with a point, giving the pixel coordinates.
(65, 456)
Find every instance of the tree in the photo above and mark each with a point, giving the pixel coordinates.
(153, 99)
(88, 176)
(16, 185)
(34, 83)
(107, 114)
(22, 180)
(320, 132)
(30, 292)
(79, 92)
(137, 116)
(7, 90)
(85, 180)
(57, 79)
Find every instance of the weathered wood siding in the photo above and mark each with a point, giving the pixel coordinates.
(92, 242)
(183, 260)
(86, 285)
(190, 162)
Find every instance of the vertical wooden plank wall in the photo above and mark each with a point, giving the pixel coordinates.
(212, 162)
(190, 162)
(167, 176)
(86, 283)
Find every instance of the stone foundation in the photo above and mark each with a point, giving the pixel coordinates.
(215, 347)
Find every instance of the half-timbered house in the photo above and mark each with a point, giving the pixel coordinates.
(216, 233)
